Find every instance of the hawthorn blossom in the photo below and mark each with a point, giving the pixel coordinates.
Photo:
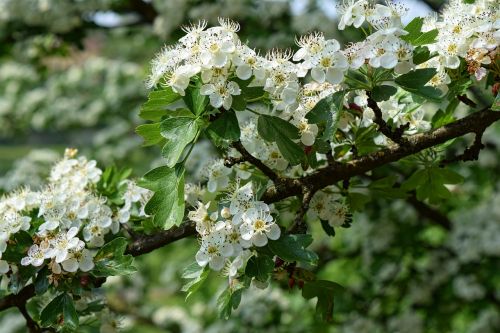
(259, 226)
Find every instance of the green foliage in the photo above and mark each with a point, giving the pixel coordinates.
(429, 183)
(421, 54)
(167, 203)
(195, 101)
(275, 129)
(327, 113)
(496, 103)
(60, 311)
(416, 37)
(156, 106)
(294, 248)
(111, 183)
(383, 92)
(150, 133)
(325, 292)
(179, 132)
(224, 129)
(414, 82)
(110, 259)
(195, 276)
(230, 298)
(259, 267)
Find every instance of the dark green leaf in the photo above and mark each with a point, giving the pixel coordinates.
(110, 259)
(260, 267)
(60, 305)
(413, 28)
(293, 248)
(239, 103)
(327, 112)
(19, 244)
(167, 204)
(325, 292)
(225, 129)
(327, 228)
(230, 299)
(383, 92)
(416, 79)
(274, 129)
(428, 37)
(195, 101)
(420, 55)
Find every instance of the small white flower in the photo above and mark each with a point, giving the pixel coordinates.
(36, 256)
(213, 251)
(62, 244)
(221, 93)
(258, 226)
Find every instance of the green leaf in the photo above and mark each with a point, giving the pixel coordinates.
(327, 228)
(429, 183)
(325, 292)
(42, 281)
(195, 101)
(179, 132)
(357, 201)
(260, 267)
(230, 298)
(19, 244)
(413, 28)
(327, 112)
(416, 78)
(156, 106)
(421, 54)
(196, 275)
(110, 259)
(62, 304)
(167, 204)
(150, 133)
(239, 103)
(225, 129)
(293, 248)
(275, 129)
(425, 38)
(383, 92)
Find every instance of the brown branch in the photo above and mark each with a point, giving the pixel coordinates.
(467, 101)
(471, 153)
(255, 161)
(429, 212)
(30, 323)
(395, 135)
(298, 226)
(329, 175)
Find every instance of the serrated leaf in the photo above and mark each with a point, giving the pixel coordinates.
(196, 276)
(293, 248)
(195, 101)
(179, 132)
(327, 112)
(260, 267)
(225, 129)
(416, 78)
(274, 129)
(60, 305)
(383, 92)
(156, 106)
(230, 299)
(167, 203)
(413, 28)
(425, 38)
(150, 133)
(110, 259)
(421, 54)
(325, 292)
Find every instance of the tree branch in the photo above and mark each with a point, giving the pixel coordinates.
(395, 135)
(473, 123)
(246, 156)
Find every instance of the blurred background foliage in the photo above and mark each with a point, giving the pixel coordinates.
(71, 75)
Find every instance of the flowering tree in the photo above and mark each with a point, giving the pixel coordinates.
(299, 137)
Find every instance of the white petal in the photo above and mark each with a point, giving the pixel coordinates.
(202, 258)
(244, 72)
(246, 231)
(318, 74)
(226, 250)
(216, 263)
(70, 265)
(388, 60)
(216, 101)
(212, 185)
(227, 102)
(219, 59)
(207, 89)
(334, 75)
(4, 266)
(274, 232)
(259, 239)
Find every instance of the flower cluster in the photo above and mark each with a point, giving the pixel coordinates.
(67, 219)
(228, 230)
(468, 31)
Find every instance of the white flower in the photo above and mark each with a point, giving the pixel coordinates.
(62, 244)
(352, 12)
(213, 251)
(248, 63)
(80, 259)
(258, 226)
(36, 256)
(217, 174)
(4, 267)
(179, 78)
(205, 222)
(221, 93)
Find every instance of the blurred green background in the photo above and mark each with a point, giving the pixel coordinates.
(71, 75)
